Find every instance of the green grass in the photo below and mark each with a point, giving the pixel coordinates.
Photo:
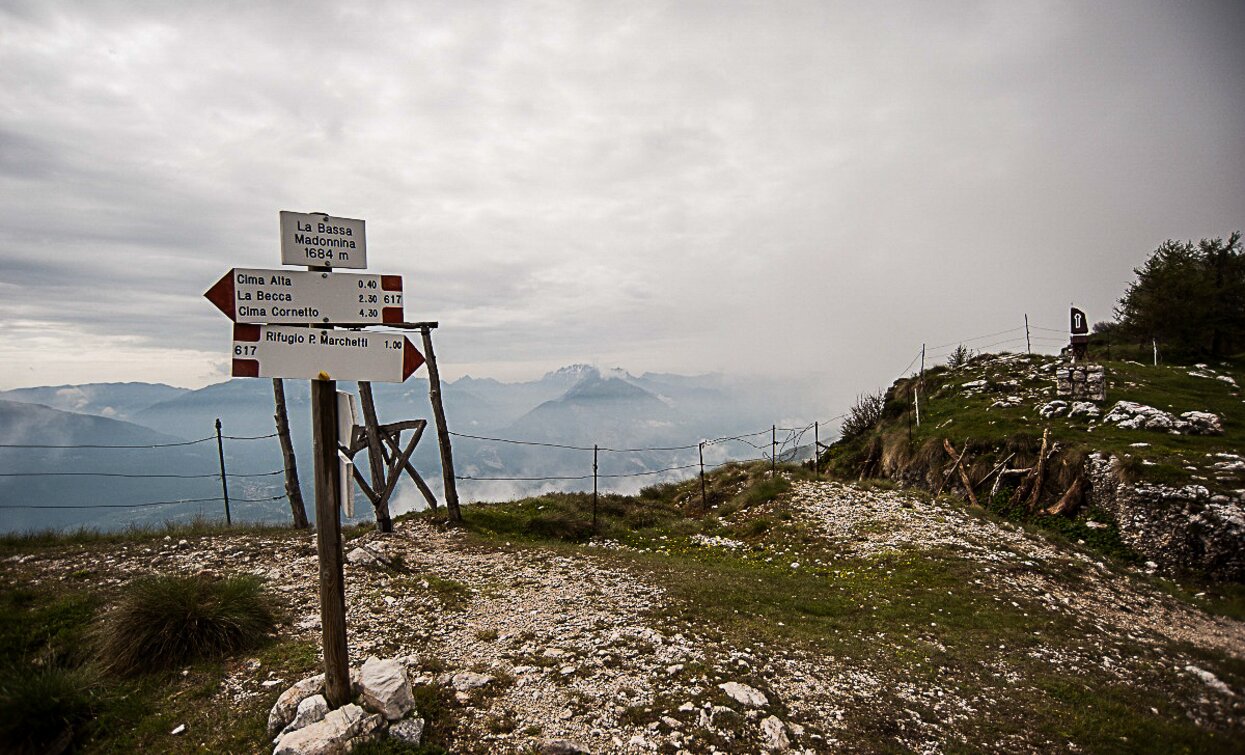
(53, 683)
(164, 622)
(45, 709)
(669, 510)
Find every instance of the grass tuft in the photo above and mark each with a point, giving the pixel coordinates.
(43, 710)
(165, 622)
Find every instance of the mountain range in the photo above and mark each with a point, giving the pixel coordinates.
(577, 406)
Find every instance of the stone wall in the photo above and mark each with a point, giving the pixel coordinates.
(1081, 381)
(1179, 529)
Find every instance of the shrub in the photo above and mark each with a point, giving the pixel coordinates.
(169, 621)
(863, 415)
(43, 709)
(959, 356)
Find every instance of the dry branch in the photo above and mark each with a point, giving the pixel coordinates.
(955, 461)
(959, 464)
(1071, 500)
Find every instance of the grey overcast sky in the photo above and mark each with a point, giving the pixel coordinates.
(792, 188)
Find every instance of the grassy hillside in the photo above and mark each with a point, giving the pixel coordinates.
(989, 409)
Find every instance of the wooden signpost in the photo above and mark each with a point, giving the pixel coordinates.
(285, 328)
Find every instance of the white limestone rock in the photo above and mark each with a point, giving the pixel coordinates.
(465, 681)
(311, 710)
(361, 557)
(1202, 423)
(286, 707)
(385, 688)
(744, 695)
(330, 735)
(1210, 680)
(1055, 408)
(1083, 409)
(409, 730)
(561, 747)
(1133, 416)
(774, 735)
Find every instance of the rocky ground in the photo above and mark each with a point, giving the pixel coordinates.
(592, 648)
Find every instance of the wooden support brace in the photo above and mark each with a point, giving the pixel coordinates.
(955, 461)
(1039, 472)
(959, 464)
(1071, 499)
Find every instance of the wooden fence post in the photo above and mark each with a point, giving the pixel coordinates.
(816, 450)
(704, 504)
(594, 488)
(384, 522)
(224, 481)
(293, 490)
(443, 432)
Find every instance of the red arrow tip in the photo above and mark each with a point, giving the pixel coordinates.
(411, 358)
(221, 294)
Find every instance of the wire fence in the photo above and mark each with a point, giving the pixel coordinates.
(776, 448)
(223, 477)
(779, 450)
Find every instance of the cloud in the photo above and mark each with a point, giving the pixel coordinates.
(816, 187)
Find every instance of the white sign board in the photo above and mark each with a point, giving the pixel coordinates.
(292, 297)
(322, 241)
(283, 351)
(346, 420)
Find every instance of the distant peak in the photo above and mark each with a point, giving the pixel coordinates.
(573, 373)
(596, 386)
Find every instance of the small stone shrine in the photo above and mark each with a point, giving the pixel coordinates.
(1081, 381)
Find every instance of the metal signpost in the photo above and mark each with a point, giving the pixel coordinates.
(272, 311)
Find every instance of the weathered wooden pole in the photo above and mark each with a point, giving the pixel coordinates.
(704, 504)
(594, 488)
(443, 432)
(293, 490)
(384, 522)
(773, 451)
(329, 542)
(816, 450)
(916, 395)
(224, 481)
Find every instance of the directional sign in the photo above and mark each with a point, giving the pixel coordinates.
(281, 351)
(1080, 324)
(296, 297)
(1080, 327)
(322, 241)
